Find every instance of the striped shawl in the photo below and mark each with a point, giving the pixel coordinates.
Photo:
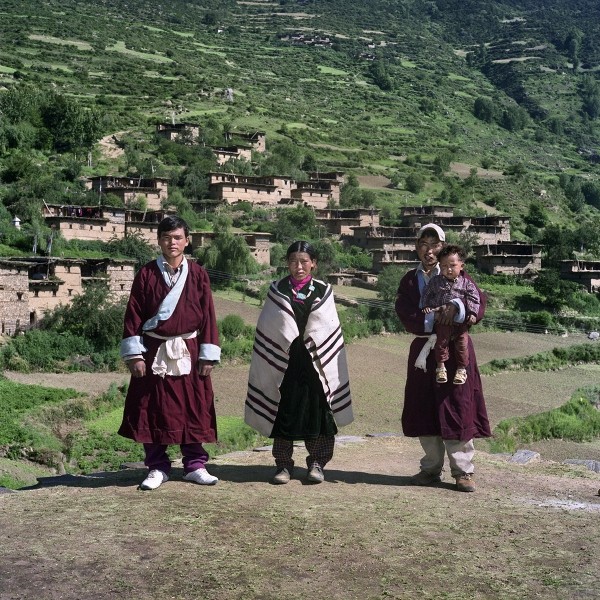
(275, 331)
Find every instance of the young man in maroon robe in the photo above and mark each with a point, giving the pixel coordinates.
(445, 417)
(170, 344)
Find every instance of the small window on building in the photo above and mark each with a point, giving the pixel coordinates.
(122, 286)
(20, 295)
(70, 225)
(36, 293)
(70, 292)
(54, 293)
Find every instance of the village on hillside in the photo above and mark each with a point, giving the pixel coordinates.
(31, 286)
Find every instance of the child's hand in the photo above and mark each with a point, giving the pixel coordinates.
(427, 310)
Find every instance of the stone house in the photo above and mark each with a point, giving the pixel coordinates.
(130, 189)
(342, 221)
(488, 229)
(256, 139)
(118, 274)
(43, 283)
(145, 224)
(173, 131)
(318, 194)
(86, 222)
(14, 296)
(226, 153)
(510, 258)
(584, 272)
(267, 190)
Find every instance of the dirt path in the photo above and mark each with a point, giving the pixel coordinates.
(366, 533)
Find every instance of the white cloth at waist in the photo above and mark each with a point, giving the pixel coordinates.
(172, 357)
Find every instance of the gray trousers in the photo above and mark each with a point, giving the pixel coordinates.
(460, 455)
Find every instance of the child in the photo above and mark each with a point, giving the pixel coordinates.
(298, 386)
(450, 285)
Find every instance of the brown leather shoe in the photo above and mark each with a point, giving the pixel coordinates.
(465, 483)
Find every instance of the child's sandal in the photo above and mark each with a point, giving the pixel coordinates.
(441, 375)
(460, 377)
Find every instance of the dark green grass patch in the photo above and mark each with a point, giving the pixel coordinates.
(578, 420)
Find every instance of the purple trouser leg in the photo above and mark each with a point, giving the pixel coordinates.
(194, 457)
(156, 457)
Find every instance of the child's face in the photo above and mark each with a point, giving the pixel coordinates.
(300, 264)
(451, 266)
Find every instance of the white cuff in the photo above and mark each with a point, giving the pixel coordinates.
(209, 352)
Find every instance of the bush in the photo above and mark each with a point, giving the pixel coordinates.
(577, 420)
(41, 350)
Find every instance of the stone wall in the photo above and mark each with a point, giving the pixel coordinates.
(14, 297)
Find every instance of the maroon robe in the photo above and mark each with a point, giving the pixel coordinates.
(180, 409)
(454, 412)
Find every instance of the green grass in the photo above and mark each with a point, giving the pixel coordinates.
(54, 40)
(121, 48)
(578, 420)
(558, 358)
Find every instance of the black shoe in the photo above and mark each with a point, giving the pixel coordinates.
(282, 475)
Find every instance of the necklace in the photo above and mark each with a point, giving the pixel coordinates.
(300, 296)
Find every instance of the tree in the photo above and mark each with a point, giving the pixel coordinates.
(91, 315)
(388, 281)
(415, 183)
(485, 110)
(228, 254)
(379, 74)
(132, 246)
(296, 223)
(555, 292)
(514, 118)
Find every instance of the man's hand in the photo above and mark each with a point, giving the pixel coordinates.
(446, 315)
(470, 320)
(137, 367)
(205, 367)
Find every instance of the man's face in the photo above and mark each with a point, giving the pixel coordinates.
(173, 243)
(428, 247)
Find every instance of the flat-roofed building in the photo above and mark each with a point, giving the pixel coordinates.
(175, 131)
(154, 191)
(341, 221)
(584, 272)
(510, 258)
(97, 223)
(14, 296)
(268, 190)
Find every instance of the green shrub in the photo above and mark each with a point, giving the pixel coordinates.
(577, 420)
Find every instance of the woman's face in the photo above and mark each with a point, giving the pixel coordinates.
(300, 264)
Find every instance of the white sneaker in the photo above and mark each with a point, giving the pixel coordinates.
(154, 480)
(201, 477)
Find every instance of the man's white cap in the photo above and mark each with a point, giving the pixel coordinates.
(438, 230)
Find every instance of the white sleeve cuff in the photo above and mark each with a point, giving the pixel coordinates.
(209, 352)
(132, 346)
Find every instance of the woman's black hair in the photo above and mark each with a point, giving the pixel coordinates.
(171, 223)
(302, 246)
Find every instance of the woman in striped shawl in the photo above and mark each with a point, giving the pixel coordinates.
(298, 386)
